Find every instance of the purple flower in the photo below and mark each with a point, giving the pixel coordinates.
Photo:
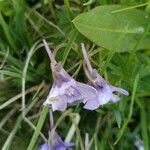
(57, 144)
(65, 90)
(106, 92)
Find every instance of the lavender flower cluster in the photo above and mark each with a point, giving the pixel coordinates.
(67, 91)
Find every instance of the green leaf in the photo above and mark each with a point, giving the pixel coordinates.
(120, 31)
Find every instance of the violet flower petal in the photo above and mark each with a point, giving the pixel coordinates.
(104, 94)
(92, 104)
(45, 146)
(90, 96)
(115, 98)
(60, 104)
(87, 91)
(106, 91)
(58, 144)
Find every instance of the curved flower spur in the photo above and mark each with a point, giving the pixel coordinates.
(65, 90)
(104, 89)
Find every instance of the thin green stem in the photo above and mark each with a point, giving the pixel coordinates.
(131, 7)
(24, 74)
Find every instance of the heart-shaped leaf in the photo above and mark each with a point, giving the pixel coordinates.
(119, 31)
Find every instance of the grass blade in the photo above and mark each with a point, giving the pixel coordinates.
(12, 134)
(38, 128)
(69, 45)
(6, 32)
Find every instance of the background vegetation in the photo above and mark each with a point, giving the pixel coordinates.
(122, 58)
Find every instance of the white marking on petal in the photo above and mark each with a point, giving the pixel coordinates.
(50, 101)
